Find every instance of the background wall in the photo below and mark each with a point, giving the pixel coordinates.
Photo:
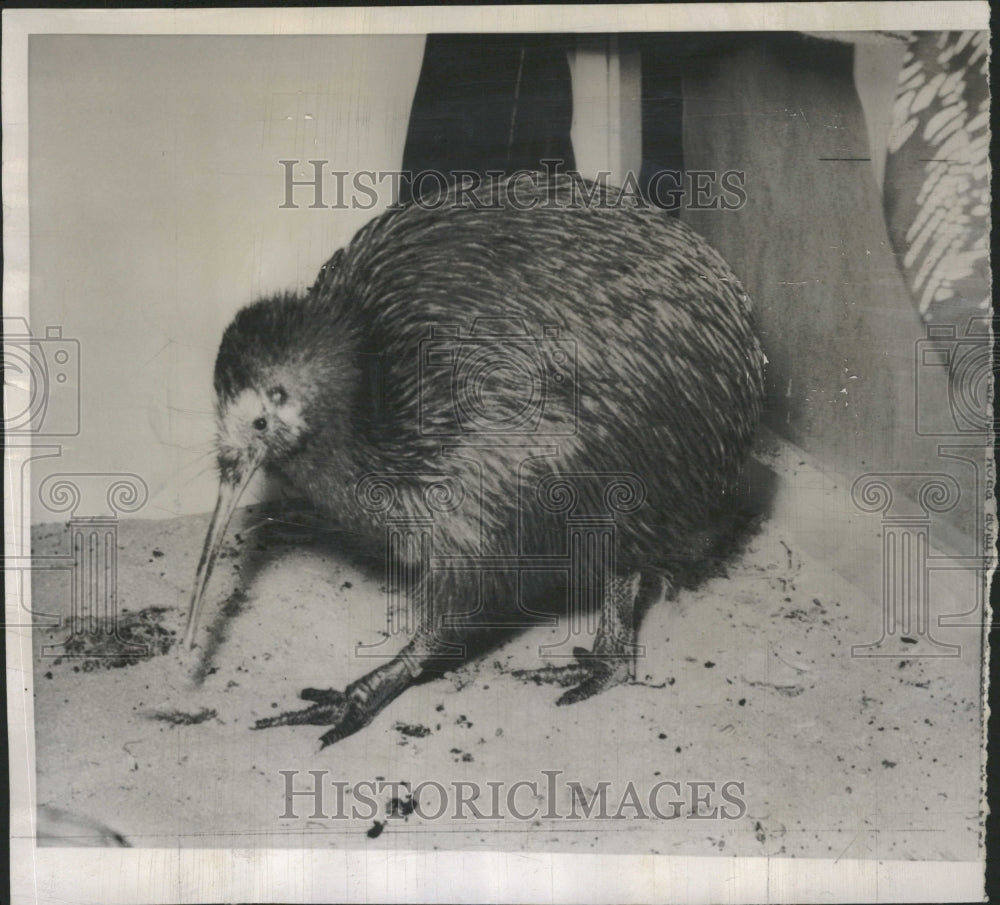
(155, 192)
(840, 328)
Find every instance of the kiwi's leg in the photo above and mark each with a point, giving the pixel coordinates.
(612, 659)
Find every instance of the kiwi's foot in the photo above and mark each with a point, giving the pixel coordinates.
(605, 671)
(592, 673)
(612, 661)
(345, 713)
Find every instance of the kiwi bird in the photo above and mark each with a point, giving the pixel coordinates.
(492, 349)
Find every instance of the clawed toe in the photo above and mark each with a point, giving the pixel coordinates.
(356, 718)
(591, 674)
(603, 673)
(331, 708)
(566, 675)
(613, 658)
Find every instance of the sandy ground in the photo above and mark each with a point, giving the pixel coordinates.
(748, 679)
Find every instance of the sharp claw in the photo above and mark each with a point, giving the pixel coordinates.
(292, 718)
(332, 708)
(333, 736)
(604, 674)
(579, 693)
(354, 719)
(592, 673)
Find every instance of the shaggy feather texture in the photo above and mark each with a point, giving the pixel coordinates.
(501, 370)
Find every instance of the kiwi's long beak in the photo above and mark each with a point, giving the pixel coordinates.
(230, 491)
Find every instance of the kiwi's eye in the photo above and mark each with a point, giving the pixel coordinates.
(277, 395)
(260, 423)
